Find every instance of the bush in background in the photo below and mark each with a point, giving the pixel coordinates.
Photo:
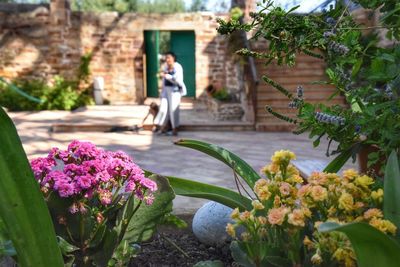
(63, 95)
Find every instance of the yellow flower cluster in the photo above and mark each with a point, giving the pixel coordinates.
(288, 203)
(282, 156)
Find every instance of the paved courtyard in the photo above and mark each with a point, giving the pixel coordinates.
(160, 155)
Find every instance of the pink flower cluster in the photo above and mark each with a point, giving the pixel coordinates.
(85, 172)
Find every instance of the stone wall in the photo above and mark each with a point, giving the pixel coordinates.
(39, 43)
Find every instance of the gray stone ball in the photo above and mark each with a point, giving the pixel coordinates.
(209, 224)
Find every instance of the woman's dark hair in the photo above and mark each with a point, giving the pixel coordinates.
(171, 54)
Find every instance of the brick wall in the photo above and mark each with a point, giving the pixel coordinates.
(37, 43)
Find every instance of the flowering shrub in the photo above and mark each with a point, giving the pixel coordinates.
(287, 212)
(92, 195)
(84, 172)
(362, 66)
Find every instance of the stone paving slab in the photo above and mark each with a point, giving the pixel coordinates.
(160, 155)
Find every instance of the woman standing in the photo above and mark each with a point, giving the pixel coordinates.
(173, 89)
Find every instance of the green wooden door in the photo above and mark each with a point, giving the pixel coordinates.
(151, 46)
(183, 45)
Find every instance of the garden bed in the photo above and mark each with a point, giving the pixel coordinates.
(162, 249)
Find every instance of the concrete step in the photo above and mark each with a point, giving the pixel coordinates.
(275, 127)
(84, 127)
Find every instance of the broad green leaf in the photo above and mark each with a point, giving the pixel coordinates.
(372, 247)
(391, 198)
(241, 167)
(145, 220)
(227, 197)
(66, 247)
(239, 255)
(22, 206)
(109, 244)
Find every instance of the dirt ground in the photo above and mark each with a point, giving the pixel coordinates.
(179, 247)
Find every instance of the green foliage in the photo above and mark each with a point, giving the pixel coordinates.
(84, 70)
(241, 253)
(105, 5)
(123, 6)
(162, 6)
(372, 247)
(144, 222)
(391, 198)
(338, 162)
(173, 220)
(16, 102)
(227, 197)
(367, 75)
(115, 239)
(239, 166)
(197, 5)
(221, 95)
(62, 95)
(22, 209)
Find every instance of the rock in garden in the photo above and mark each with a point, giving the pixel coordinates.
(209, 224)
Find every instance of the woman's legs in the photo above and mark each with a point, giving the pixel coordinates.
(162, 116)
(174, 100)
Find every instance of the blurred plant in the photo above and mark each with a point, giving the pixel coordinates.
(373, 248)
(26, 230)
(84, 67)
(95, 199)
(366, 74)
(63, 94)
(221, 94)
(281, 229)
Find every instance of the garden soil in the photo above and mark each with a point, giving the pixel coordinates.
(172, 246)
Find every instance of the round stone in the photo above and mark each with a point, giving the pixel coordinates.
(209, 224)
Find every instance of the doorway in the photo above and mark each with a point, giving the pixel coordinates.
(182, 43)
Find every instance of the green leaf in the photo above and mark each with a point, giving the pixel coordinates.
(123, 254)
(241, 167)
(109, 244)
(337, 163)
(145, 220)
(22, 206)
(372, 247)
(239, 255)
(188, 188)
(356, 67)
(391, 198)
(173, 220)
(216, 263)
(66, 247)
